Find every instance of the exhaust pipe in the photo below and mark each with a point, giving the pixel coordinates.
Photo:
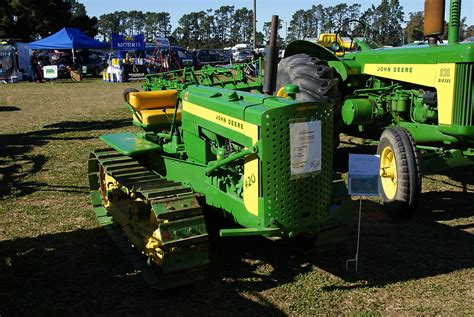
(271, 59)
(434, 20)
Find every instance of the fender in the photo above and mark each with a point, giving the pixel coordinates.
(318, 51)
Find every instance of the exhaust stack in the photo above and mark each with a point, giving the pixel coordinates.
(434, 20)
(271, 59)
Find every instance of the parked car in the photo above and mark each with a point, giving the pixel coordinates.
(207, 56)
(177, 56)
(243, 56)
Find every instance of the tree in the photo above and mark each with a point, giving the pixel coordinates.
(111, 23)
(267, 26)
(157, 24)
(414, 29)
(469, 31)
(385, 23)
(30, 19)
(81, 20)
(222, 24)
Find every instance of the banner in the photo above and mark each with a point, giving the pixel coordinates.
(128, 42)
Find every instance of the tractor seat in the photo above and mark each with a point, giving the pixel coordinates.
(151, 108)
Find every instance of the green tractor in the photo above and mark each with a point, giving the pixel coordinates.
(418, 99)
(263, 161)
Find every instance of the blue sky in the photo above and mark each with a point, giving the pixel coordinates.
(265, 8)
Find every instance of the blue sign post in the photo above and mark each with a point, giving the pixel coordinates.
(363, 181)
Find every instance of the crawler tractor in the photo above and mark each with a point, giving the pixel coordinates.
(263, 161)
(418, 99)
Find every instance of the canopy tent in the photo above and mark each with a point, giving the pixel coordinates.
(67, 38)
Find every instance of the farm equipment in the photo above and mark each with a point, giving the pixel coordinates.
(233, 77)
(264, 161)
(421, 97)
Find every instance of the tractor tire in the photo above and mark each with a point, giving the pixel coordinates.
(316, 81)
(400, 173)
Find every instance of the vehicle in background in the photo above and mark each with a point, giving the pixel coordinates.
(240, 47)
(243, 56)
(207, 56)
(175, 57)
(93, 63)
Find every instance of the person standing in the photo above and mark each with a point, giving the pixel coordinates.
(35, 65)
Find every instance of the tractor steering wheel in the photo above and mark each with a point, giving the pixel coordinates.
(335, 47)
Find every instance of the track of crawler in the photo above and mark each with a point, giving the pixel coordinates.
(159, 217)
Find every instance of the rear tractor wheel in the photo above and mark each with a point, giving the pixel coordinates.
(316, 82)
(400, 177)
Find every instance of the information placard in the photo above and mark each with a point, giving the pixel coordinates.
(364, 174)
(50, 72)
(305, 148)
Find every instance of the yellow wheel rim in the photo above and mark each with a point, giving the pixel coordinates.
(282, 93)
(388, 172)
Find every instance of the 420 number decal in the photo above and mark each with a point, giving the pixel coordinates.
(249, 180)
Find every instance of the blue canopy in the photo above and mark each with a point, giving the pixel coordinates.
(67, 38)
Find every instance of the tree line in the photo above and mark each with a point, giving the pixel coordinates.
(216, 28)
(34, 19)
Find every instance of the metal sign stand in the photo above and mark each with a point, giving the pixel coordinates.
(356, 259)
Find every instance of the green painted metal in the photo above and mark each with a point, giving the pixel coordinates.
(158, 180)
(454, 21)
(463, 115)
(129, 144)
(238, 232)
(440, 160)
(358, 111)
(232, 77)
(372, 103)
(289, 205)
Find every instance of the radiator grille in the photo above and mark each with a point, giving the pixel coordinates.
(294, 202)
(463, 95)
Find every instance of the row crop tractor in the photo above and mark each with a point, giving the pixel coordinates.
(420, 99)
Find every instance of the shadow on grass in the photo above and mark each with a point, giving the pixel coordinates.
(401, 250)
(18, 163)
(8, 108)
(82, 272)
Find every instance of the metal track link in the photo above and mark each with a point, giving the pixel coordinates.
(160, 217)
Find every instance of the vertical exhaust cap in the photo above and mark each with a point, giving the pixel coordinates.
(434, 20)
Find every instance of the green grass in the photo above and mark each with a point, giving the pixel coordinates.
(55, 260)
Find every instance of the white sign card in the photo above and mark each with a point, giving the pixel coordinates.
(364, 174)
(50, 72)
(305, 148)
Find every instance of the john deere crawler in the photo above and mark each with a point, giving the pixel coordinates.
(263, 160)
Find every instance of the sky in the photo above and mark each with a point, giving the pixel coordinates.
(265, 8)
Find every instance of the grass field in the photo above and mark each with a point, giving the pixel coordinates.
(55, 260)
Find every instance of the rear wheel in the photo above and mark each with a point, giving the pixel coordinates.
(400, 177)
(316, 82)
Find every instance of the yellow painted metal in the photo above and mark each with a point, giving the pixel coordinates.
(156, 116)
(153, 247)
(153, 99)
(152, 244)
(439, 76)
(251, 163)
(388, 172)
(282, 93)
